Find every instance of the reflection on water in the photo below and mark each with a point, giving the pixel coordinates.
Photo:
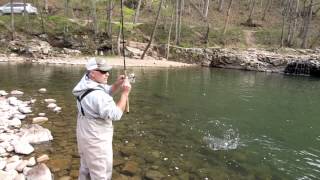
(190, 123)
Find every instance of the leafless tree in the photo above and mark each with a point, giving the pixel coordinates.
(267, 7)
(227, 18)
(220, 7)
(136, 15)
(153, 31)
(12, 21)
(206, 8)
(307, 26)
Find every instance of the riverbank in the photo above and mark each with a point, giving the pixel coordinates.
(81, 60)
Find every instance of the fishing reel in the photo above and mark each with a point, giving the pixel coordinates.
(131, 78)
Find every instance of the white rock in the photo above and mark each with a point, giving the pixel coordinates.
(12, 165)
(3, 93)
(26, 170)
(13, 101)
(23, 147)
(16, 92)
(39, 172)
(42, 114)
(14, 158)
(39, 119)
(42, 90)
(2, 150)
(20, 116)
(57, 109)
(3, 164)
(43, 157)
(10, 148)
(25, 109)
(32, 161)
(51, 105)
(22, 165)
(4, 175)
(35, 133)
(50, 100)
(15, 122)
(20, 177)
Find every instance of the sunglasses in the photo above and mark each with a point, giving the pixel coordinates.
(103, 72)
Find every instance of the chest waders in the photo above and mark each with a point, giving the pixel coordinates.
(79, 98)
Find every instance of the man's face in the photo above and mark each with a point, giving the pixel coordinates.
(100, 76)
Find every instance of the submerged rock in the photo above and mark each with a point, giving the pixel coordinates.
(35, 133)
(39, 172)
(42, 90)
(39, 119)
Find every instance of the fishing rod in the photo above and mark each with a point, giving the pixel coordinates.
(123, 51)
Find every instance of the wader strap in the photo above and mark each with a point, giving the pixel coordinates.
(79, 98)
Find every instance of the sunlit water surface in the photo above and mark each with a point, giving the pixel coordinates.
(194, 123)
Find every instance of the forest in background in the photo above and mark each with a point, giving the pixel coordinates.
(186, 23)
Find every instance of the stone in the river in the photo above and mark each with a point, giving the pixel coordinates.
(50, 100)
(39, 119)
(3, 164)
(153, 175)
(39, 172)
(51, 105)
(35, 133)
(15, 122)
(31, 161)
(26, 170)
(42, 158)
(8, 175)
(130, 168)
(57, 109)
(22, 165)
(42, 90)
(25, 109)
(16, 92)
(19, 116)
(20, 177)
(22, 147)
(42, 114)
(3, 93)
(12, 165)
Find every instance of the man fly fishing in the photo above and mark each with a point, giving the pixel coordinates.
(97, 110)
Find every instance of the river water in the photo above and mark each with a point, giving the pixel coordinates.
(189, 123)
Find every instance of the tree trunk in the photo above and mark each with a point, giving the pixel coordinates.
(109, 18)
(266, 9)
(66, 12)
(307, 27)
(169, 37)
(177, 22)
(284, 15)
(250, 21)
(220, 5)
(181, 7)
(12, 22)
(136, 15)
(295, 22)
(94, 17)
(153, 31)
(46, 6)
(206, 8)
(227, 18)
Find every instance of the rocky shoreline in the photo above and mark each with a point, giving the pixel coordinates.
(285, 60)
(18, 159)
(300, 62)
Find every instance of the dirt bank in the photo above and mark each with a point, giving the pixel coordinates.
(114, 61)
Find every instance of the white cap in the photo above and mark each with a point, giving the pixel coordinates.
(97, 64)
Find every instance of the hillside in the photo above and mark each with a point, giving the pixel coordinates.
(75, 30)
